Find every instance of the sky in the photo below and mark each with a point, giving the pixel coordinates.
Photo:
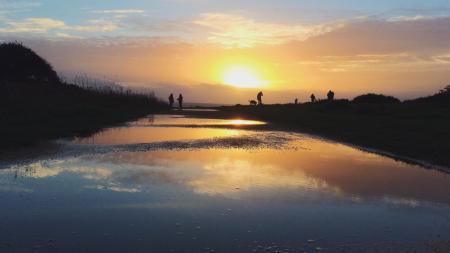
(226, 51)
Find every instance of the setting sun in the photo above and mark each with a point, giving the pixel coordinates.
(242, 77)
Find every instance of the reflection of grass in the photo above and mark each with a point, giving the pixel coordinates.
(416, 130)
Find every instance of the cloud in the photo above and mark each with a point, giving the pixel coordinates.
(120, 11)
(409, 18)
(33, 25)
(62, 35)
(443, 58)
(377, 62)
(95, 25)
(44, 25)
(420, 37)
(237, 31)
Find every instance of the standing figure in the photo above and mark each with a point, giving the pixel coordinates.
(171, 100)
(296, 101)
(330, 95)
(313, 98)
(180, 101)
(259, 98)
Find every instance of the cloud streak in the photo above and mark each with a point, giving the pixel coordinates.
(120, 11)
(238, 31)
(44, 25)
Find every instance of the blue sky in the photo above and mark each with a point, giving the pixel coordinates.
(281, 11)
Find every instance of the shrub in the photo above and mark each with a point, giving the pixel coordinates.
(19, 63)
(375, 99)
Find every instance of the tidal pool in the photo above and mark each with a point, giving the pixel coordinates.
(161, 185)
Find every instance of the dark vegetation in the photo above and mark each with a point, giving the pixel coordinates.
(418, 129)
(35, 104)
(375, 99)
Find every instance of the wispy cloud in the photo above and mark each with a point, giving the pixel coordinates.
(409, 18)
(376, 62)
(44, 25)
(120, 11)
(34, 25)
(96, 25)
(238, 31)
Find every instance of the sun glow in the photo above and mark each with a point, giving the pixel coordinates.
(242, 77)
(243, 122)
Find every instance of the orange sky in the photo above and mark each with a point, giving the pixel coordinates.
(210, 56)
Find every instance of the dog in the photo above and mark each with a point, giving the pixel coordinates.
(253, 102)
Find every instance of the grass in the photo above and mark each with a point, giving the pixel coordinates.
(32, 112)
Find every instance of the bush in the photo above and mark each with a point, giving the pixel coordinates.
(440, 98)
(375, 99)
(19, 63)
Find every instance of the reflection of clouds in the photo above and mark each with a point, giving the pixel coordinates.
(220, 177)
(224, 176)
(402, 201)
(236, 174)
(55, 168)
(44, 172)
(87, 173)
(114, 188)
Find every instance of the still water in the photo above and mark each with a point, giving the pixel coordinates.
(170, 183)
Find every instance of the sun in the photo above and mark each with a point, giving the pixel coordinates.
(242, 77)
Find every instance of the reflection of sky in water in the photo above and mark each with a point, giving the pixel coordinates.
(157, 120)
(228, 200)
(166, 128)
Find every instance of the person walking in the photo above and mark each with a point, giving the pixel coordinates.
(330, 95)
(259, 98)
(180, 101)
(171, 100)
(313, 98)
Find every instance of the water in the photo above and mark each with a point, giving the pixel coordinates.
(177, 184)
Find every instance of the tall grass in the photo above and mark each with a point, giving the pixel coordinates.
(36, 104)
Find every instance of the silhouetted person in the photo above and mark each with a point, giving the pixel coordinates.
(313, 98)
(180, 101)
(296, 101)
(171, 100)
(259, 97)
(330, 95)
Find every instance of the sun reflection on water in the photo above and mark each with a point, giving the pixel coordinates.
(242, 122)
